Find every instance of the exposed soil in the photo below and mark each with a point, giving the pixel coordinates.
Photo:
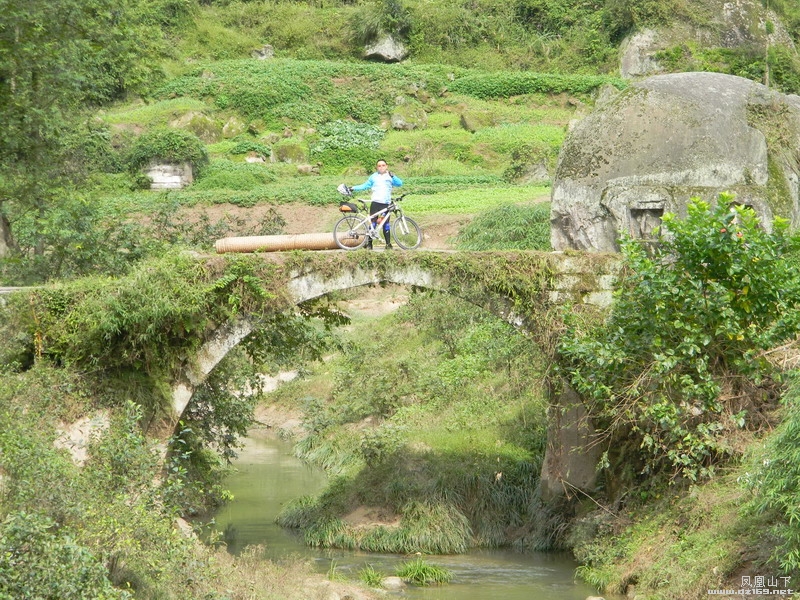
(369, 517)
(438, 230)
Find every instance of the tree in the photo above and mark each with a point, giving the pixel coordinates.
(680, 360)
(59, 60)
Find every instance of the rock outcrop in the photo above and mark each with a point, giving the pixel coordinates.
(386, 49)
(729, 24)
(666, 139)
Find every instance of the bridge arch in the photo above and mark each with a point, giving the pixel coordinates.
(568, 278)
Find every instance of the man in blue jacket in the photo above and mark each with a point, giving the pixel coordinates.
(381, 183)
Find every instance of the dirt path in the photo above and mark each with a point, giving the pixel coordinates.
(438, 229)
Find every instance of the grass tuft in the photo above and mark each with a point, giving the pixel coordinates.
(420, 572)
(511, 227)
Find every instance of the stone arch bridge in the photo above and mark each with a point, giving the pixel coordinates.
(515, 286)
(508, 289)
(519, 287)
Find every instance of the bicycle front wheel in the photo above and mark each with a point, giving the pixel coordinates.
(350, 232)
(406, 233)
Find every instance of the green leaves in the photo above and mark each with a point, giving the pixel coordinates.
(689, 320)
(39, 560)
(506, 84)
(167, 145)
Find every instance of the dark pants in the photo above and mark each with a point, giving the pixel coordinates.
(378, 206)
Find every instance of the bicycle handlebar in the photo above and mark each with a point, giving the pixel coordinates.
(393, 200)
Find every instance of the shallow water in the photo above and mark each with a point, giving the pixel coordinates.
(268, 476)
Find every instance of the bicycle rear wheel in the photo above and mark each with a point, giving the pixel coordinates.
(350, 232)
(406, 233)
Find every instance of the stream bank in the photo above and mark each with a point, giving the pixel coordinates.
(268, 475)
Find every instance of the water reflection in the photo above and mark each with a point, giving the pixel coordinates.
(268, 476)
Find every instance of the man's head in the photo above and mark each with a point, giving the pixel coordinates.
(382, 166)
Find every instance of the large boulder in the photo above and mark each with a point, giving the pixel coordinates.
(661, 141)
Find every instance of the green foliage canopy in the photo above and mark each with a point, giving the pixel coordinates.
(37, 560)
(687, 330)
(59, 60)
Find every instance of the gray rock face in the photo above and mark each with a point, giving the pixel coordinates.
(169, 176)
(386, 49)
(729, 24)
(667, 139)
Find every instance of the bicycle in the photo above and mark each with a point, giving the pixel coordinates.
(353, 230)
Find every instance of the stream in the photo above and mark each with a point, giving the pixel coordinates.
(268, 476)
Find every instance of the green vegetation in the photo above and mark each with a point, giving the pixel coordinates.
(679, 365)
(419, 572)
(448, 439)
(681, 376)
(774, 484)
(420, 435)
(510, 227)
(369, 576)
(679, 546)
(167, 145)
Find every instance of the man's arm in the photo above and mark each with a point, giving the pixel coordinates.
(364, 186)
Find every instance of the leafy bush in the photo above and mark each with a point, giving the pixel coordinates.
(77, 237)
(168, 145)
(40, 560)
(118, 322)
(679, 361)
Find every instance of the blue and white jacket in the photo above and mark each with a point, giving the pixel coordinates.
(381, 186)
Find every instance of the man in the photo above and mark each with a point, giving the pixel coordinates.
(381, 183)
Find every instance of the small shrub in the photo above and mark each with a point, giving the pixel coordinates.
(419, 572)
(167, 145)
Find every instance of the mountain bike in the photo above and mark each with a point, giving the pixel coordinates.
(355, 228)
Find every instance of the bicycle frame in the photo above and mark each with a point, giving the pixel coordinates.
(376, 221)
(359, 227)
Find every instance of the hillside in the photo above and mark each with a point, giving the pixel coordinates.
(472, 120)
